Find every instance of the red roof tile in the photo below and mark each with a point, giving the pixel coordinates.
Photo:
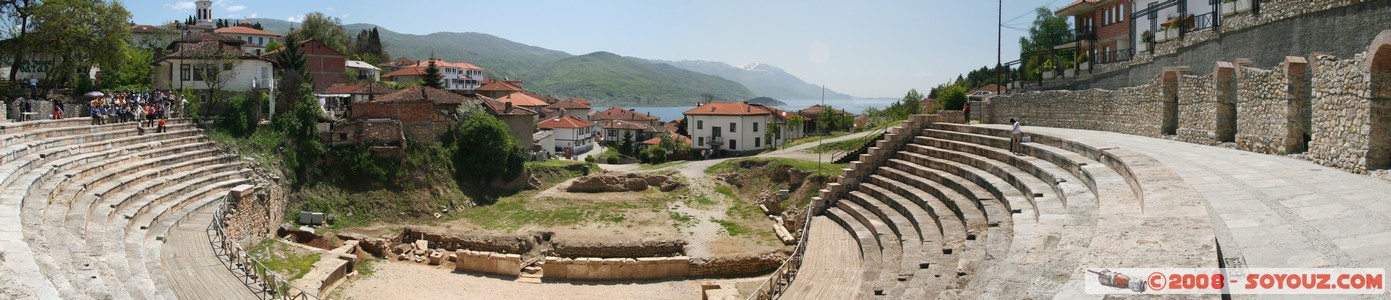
(373, 88)
(658, 140)
(569, 104)
(413, 95)
(501, 86)
(615, 113)
(522, 99)
(622, 125)
(563, 122)
(728, 109)
(410, 71)
(443, 64)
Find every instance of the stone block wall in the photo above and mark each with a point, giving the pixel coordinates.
(738, 265)
(1341, 113)
(515, 244)
(488, 262)
(594, 268)
(1328, 99)
(1136, 110)
(563, 248)
(1197, 104)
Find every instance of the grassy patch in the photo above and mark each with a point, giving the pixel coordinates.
(515, 212)
(283, 259)
(726, 191)
(662, 165)
(815, 138)
(731, 228)
(733, 166)
(839, 146)
(367, 267)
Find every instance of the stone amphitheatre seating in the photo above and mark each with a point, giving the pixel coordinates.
(946, 211)
(86, 208)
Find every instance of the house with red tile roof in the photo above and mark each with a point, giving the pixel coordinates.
(256, 39)
(813, 114)
(571, 133)
(573, 108)
(528, 101)
(196, 62)
(737, 127)
(614, 131)
(521, 121)
(658, 140)
(425, 113)
(338, 99)
(615, 113)
(499, 88)
(455, 76)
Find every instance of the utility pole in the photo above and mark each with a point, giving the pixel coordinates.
(999, 45)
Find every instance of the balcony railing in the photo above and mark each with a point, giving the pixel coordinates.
(1113, 56)
(1203, 22)
(1083, 34)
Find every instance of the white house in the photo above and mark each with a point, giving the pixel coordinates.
(255, 39)
(365, 71)
(457, 76)
(206, 61)
(570, 133)
(736, 127)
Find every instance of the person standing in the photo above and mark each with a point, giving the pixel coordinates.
(161, 126)
(33, 87)
(1015, 136)
(57, 110)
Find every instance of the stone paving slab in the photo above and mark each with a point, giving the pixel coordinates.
(1279, 211)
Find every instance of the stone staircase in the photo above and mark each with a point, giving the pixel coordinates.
(86, 208)
(943, 210)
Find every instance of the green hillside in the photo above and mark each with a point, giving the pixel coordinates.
(615, 80)
(605, 78)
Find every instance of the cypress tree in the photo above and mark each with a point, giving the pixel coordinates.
(432, 76)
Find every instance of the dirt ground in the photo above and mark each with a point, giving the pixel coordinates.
(405, 281)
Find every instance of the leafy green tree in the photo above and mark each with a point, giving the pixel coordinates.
(293, 72)
(1048, 31)
(325, 29)
(432, 76)
(133, 73)
(676, 149)
(484, 151)
(76, 34)
(953, 97)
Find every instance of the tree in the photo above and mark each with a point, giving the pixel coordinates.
(77, 34)
(292, 70)
(831, 119)
(1048, 31)
(257, 26)
(274, 45)
(953, 97)
(325, 29)
(134, 71)
(22, 10)
(677, 148)
(626, 145)
(432, 76)
(484, 151)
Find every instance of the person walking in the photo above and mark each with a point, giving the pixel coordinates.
(1015, 137)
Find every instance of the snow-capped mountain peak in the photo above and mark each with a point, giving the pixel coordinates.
(759, 67)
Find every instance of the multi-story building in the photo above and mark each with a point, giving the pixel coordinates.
(256, 39)
(570, 133)
(1101, 29)
(735, 127)
(615, 113)
(455, 76)
(207, 61)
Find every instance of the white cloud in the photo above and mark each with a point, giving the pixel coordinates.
(345, 16)
(236, 8)
(253, 15)
(294, 19)
(180, 5)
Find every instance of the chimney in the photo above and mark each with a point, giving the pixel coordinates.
(747, 108)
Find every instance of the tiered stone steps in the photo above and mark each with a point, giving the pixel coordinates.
(954, 214)
(86, 208)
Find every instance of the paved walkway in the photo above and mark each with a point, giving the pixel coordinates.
(831, 269)
(1273, 211)
(192, 268)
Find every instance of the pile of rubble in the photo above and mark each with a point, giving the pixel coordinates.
(616, 182)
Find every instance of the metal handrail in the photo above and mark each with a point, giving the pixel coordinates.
(252, 271)
(769, 288)
(864, 142)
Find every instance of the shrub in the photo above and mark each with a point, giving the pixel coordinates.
(484, 150)
(589, 159)
(612, 160)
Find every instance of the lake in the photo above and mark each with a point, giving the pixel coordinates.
(854, 106)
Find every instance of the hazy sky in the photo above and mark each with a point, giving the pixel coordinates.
(863, 48)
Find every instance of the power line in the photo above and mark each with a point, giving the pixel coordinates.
(1031, 12)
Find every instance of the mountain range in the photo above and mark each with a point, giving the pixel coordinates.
(607, 79)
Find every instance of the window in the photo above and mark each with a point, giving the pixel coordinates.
(755, 129)
(198, 73)
(731, 126)
(184, 72)
(757, 142)
(733, 145)
(701, 141)
(700, 124)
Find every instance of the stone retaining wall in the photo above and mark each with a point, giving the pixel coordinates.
(515, 244)
(736, 266)
(593, 268)
(488, 262)
(257, 216)
(1321, 103)
(573, 249)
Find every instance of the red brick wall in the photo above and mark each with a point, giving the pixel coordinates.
(326, 65)
(1112, 30)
